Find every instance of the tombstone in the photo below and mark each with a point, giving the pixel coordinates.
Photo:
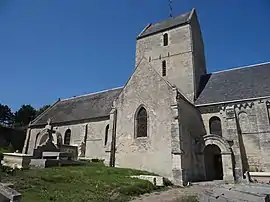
(82, 149)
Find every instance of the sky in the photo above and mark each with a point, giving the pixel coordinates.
(52, 49)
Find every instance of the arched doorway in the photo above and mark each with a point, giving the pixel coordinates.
(213, 162)
(217, 145)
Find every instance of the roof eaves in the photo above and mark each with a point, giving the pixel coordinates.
(59, 123)
(232, 101)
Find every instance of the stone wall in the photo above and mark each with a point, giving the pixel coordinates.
(93, 132)
(95, 147)
(191, 132)
(198, 52)
(255, 131)
(248, 131)
(153, 153)
(30, 141)
(178, 56)
(184, 55)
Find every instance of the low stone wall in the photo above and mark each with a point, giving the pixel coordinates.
(262, 177)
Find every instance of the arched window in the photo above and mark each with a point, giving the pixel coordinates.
(106, 135)
(165, 39)
(164, 68)
(141, 123)
(215, 126)
(67, 137)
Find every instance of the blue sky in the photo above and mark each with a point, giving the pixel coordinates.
(52, 49)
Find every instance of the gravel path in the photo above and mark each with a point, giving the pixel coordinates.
(171, 195)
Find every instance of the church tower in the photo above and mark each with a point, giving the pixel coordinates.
(174, 47)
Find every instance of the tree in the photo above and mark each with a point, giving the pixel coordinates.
(24, 115)
(42, 109)
(6, 116)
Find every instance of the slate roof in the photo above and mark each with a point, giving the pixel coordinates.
(80, 108)
(166, 24)
(236, 84)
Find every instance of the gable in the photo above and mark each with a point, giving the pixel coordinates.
(144, 84)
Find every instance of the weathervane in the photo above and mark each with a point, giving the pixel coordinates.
(170, 5)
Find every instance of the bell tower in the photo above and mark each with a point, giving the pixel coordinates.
(174, 47)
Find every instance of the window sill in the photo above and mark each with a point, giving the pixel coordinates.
(141, 138)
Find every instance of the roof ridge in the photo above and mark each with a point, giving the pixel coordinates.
(241, 67)
(169, 18)
(97, 92)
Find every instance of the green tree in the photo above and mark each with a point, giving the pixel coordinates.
(6, 116)
(42, 109)
(24, 115)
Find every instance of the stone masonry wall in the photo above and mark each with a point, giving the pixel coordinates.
(94, 141)
(31, 137)
(192, 130)
(198, 52)
(255, 131)
(152, 153)
(184, 56)
(95, 147)
(177, 55)
(251, 132)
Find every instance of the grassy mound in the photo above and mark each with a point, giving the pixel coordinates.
(93, 182)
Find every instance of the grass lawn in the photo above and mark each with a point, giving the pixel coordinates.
(93, 182)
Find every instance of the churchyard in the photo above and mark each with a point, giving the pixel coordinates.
(89, 182)
(55, 173)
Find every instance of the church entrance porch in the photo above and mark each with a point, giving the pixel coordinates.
(213, 163)
(218, 162)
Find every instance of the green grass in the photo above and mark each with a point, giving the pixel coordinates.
(93, 182)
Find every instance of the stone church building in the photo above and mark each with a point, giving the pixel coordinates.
(171, 117)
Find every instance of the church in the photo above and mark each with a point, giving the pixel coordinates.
(171, 117)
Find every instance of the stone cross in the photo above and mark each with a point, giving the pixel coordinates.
(49, 121)
(49, 129)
